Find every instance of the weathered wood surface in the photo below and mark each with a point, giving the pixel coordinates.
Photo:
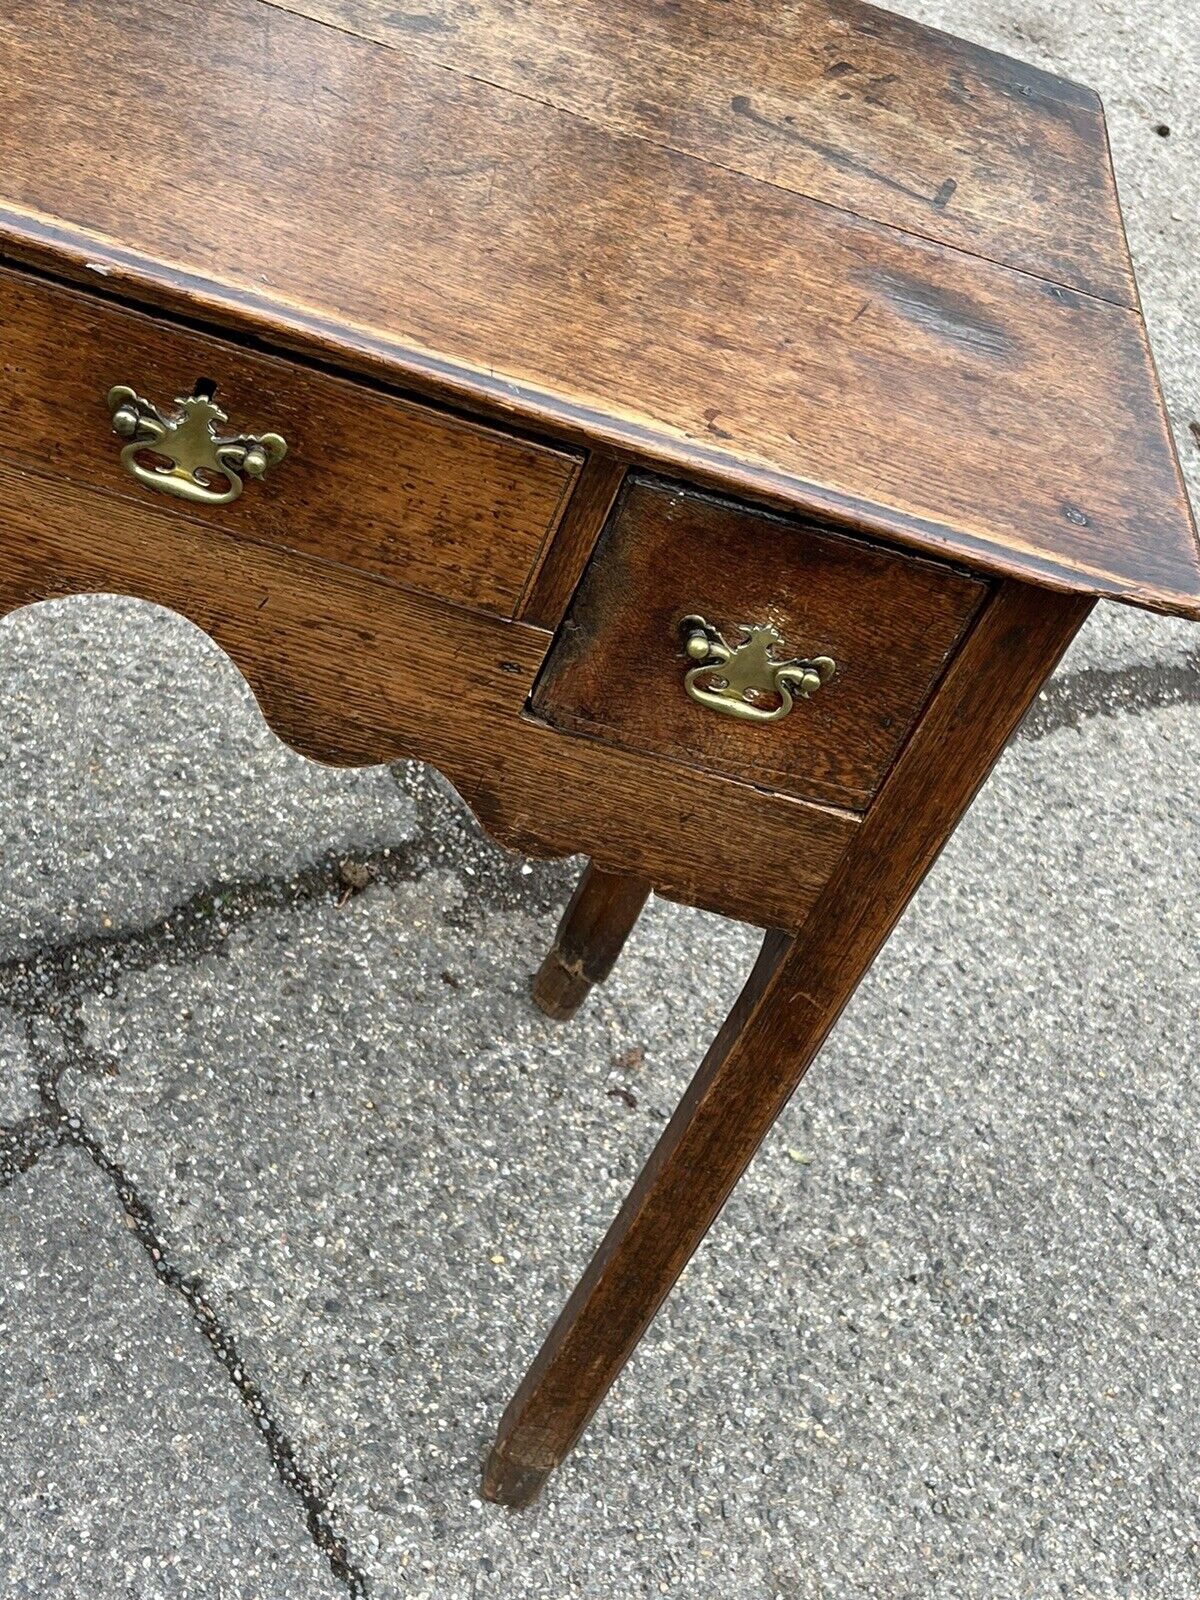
(809, 254)
(370, 481)
(792, 999)
(567, 553)
(351, 670)
(830, 98)
(889, 622)
(357, 202)
(595, 925)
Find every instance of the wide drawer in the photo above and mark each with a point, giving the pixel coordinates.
(869, 631)
(430, 501)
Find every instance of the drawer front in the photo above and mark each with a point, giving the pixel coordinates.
(869, 632)
(355, 672)
(439, 505)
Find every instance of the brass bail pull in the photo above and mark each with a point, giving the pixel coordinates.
(748, 680)
(182, 453)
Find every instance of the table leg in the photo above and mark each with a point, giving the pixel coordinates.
(590, 937)
(791, 1000)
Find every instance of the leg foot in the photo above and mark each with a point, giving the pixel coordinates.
(507, 1483)
(557, 990)
(594, 928)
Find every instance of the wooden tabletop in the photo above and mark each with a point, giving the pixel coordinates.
(812, 253)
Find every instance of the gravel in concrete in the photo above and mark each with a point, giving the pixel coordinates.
(18, 1078)
(135, 767)
(130, 1469)
(941, 1343)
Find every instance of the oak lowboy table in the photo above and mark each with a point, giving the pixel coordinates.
(697, 429)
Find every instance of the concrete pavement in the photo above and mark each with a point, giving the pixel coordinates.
(294, 1176)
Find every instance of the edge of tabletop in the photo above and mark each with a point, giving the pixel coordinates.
(70, 254)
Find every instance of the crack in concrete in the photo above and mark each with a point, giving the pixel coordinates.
(47, 989)
(46, 979)
(1077, 697)
(54, 1126)
(196, 927)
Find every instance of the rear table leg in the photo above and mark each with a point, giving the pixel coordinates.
(594, 928)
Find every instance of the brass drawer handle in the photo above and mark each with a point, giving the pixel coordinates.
(736, 679)
(180, 452)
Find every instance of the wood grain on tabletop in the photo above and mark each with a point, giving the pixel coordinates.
(852, 105)
(351, 670)
(354, 200)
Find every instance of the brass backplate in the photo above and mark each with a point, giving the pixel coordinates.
(181, 453)
(748, 680)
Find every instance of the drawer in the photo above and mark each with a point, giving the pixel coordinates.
(353, 671)
(875, 628)
(437, 504)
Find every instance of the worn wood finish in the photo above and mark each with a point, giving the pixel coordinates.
(890, 623)
(792, 1000)
(372, 481)
(804, 255)
(567, 554)
(449, 234)
(599, 918)
(860, 109)
(352, 671)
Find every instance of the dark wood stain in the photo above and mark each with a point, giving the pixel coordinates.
(945, 193)
(839, 160)
(351, 670)
(617, 668)
(527, 262)
(944, 312)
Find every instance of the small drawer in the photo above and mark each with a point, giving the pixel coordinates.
(680, 580)
(434, 503)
